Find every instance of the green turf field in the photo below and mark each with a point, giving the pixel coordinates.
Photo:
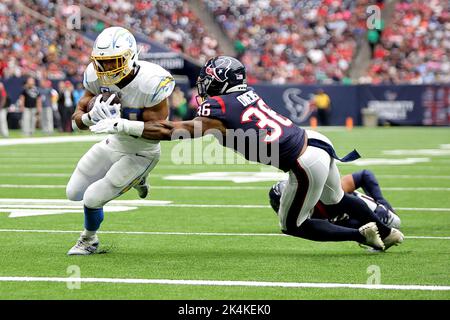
(223, 230)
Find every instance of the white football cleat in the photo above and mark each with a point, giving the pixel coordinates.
(84, 246)
(142, 188)
(394, 221)
(393, 239)
(370, 232)
(388, 217)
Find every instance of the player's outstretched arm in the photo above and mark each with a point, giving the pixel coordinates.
(155, 127)
(172, 130)
(77, 117)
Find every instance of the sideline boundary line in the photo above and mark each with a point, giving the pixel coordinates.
(174, 233)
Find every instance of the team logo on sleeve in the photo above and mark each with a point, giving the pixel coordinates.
(165, 84)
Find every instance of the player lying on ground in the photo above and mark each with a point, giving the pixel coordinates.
(372, 197)
(241, 120)
(119, 162)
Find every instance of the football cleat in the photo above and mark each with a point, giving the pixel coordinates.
(370, 232)
(275, 195)
(387, 216)
(393, 239)
(84, 246)
(142, 188)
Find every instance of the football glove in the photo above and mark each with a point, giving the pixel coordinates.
(104, 109)
(118, 125)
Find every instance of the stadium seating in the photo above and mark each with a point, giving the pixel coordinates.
(293, 41)
(171, 23)
(29, 46)
(313, 41)
(415, 46)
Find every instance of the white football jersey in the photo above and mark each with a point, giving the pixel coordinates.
(151, 85)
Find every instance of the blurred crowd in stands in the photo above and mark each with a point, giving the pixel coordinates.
(414, 47)
(31, 47)
(171, 23)
(293, 41)
(279, 41)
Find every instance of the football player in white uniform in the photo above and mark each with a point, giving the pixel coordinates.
(120, 161)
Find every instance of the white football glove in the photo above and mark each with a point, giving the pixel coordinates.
(104, 109)
(118, 125)
(108, 126)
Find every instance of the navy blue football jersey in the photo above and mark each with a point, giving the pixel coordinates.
(254, 129)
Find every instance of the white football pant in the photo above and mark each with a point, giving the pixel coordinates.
(103, 174)
(316, 177)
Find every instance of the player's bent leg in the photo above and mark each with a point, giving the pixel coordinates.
(305, 187)
(143, 187)
(91, 167)
(123, 175)
(369, 183)
(332, 192)
(334, 197)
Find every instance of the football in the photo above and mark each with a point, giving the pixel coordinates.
(105, 96)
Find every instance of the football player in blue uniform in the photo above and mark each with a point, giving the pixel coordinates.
(372, 196)
(241, 120)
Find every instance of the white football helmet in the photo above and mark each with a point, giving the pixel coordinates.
(114, 54)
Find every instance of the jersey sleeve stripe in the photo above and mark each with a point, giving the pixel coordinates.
(221, 103)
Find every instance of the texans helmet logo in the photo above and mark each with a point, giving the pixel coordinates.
(220, 69)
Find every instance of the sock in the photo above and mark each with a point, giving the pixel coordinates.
(88, 234)
(358, 209)
(323, 230)
(92, 218)
(366, 180)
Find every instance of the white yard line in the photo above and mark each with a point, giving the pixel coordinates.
(61, 186)
(424, 209)
(207, 234)
(408, 176)
(415, 189)
(32, 175)
(47, 140)
(227, 283)
(32, 186)
(152, 203)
